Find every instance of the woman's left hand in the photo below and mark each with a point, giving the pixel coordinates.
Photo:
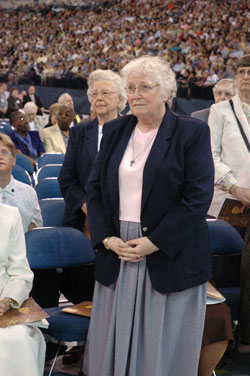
(4, 306)
(141, 247)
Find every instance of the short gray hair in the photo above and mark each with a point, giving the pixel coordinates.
(155, 67)
(115, 78)
(30, 106)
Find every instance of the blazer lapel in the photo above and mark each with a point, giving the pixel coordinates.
(241, 116)
(157, 153)
(91, 135)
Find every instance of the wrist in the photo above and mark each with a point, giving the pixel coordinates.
(232, 190)
(105, 242)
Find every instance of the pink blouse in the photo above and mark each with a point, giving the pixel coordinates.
(131, 174)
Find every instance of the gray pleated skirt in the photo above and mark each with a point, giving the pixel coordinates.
(137, 331)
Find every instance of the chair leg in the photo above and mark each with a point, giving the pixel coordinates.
(54, 360)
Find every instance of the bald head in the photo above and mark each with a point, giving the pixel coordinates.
(66, 100)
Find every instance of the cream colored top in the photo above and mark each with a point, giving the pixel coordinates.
(131, 174)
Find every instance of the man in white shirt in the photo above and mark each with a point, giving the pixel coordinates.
(15, 193)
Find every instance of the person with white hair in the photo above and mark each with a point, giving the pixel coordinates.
(147, 199)
(230, 137)
(36, 122)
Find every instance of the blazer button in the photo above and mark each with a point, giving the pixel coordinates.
(144, 229)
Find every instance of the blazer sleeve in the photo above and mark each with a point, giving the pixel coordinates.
(99, 224)
(20, 275)
(72, 190)
(47, 141)
(188, 215)
(216, 122)
(38, 143)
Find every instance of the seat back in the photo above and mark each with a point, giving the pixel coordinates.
(50, 158)
(21, 174)
(58, 247)
(48, 171)
(52, 211)
(5, 128)
(48, 188)
(24, 162)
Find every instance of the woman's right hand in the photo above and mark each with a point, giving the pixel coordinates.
(122, 249)
(115, 244)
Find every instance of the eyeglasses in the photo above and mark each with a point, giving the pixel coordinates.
(241, 72)
(221, 93)
(5, 153)
(103, 93)
(141, 88)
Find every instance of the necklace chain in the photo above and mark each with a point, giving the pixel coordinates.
(134, 157)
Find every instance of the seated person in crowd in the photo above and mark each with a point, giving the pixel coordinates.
(67, 100)
(14, 102)
(35, 122)
(55, 138)
(53, 109)
(33, 97)
(3, 102)
(15, 193)
(224, 90)
(26, 142)
(22, 347)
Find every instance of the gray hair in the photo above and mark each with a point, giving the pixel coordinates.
(157, 68)
(30, 107)
(227, 81)
(115, 78)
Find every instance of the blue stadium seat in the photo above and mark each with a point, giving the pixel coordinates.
(48, 188)
(24, 162)
(50, 158)
(58, 247)
(21, 174)
(226, 247)
(52, 211)
(5, 128)
(48, 171)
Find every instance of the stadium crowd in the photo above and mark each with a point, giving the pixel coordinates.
(60, 46)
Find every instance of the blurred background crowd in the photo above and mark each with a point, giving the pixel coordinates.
(55, 45)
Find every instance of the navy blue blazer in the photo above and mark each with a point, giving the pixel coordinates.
(177, 191)
(74, 174)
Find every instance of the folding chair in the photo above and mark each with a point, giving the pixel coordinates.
(21, 174)
(50, 158)
(50, 248)
(52, 211)
(48, 171)
(48, 188)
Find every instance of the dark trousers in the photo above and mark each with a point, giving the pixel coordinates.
(245, 288)
(76, 284)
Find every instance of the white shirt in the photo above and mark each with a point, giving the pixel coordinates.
(25, 199)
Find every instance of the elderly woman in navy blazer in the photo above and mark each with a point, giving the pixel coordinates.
(147, 199)
(107, 95)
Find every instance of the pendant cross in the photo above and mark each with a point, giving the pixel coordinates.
(132, 162)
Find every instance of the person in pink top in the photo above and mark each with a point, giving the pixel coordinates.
(147, 199)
